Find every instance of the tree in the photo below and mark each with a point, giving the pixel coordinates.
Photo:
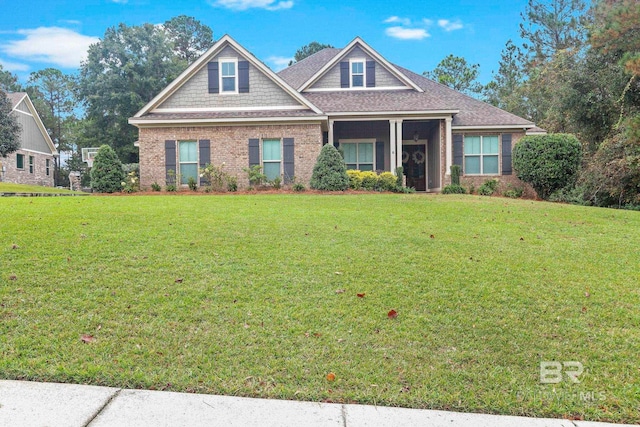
(190, 38)
(547, 162)
(123, 72)
(330, 171)
(455, 72)
(9, 127)
(551, 26)
(505, 90)
(308, 50)
(107, 174)
(9, 81)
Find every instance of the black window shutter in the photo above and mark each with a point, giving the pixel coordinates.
(506, 154)
(288, 158)
(204, 147)
(214, 84)
(170, 160)
(254, 152)
(344, 74)
(243, 76)
(457, 150)
(379, 155)
(371, 74)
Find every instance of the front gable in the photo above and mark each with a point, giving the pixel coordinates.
(33, 134)
(227, 78)
(358, 67)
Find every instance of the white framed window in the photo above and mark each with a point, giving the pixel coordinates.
(359, 155)
(188, 161)
(357, 71)
(271, 158)
(228, 75)
(20, 161)
(481, 155)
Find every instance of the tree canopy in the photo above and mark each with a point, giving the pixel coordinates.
(458, 74)
(9, 127)
(308, 50)
(189, 36)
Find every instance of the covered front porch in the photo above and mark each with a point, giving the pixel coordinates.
(415, 143)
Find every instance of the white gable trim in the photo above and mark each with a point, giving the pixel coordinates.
(371, 52)
(227, 109)
(145, 123)
(205, 58)
(493, 127)
(36, 117)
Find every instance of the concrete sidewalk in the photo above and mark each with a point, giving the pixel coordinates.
(47, 404)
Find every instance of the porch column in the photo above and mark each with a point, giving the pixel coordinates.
(330, 132)
(392, 145)
(399, 143)
(447, 135)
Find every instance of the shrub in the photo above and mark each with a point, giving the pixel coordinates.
(232, 183)
(155, 187)
(214, 178)
(255, 175)
(453, 189)
(456, 171)
(131, 184)
(399, 175)
(299, 187)
(171, 188)
(387, 181)
(547, 162)
(513, 192)
(572, 195)
(330, 171)
(355, 179)
(107, 174)
(369, 180)
(488, 187)
(192, 183)
(276, 183)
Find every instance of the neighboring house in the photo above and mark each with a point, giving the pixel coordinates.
(33, 162)
(228, 107)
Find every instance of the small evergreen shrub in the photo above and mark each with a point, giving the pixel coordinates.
(369, 180)
(330, 171)
(107, 175)
(276, 183)
(399, 176)
(255, 175)
(232, 183)
(355, 179)
(547, 162)
(456, 171)
(453, 189)
(513, 192)
(299, 187)
(387, 182)
(155, 187)
(488, 187)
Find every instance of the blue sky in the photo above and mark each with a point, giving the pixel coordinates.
(35, 34)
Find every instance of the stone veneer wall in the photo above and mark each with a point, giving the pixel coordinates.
(478, 180)
(229, 144)
(23, 176)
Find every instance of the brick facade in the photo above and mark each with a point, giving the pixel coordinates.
(25, 176)
(229, 145)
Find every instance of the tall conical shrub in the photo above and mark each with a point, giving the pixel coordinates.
(330, 171)
(107, 174)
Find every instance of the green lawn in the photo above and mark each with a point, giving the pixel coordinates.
(7, 187)
(237, 295)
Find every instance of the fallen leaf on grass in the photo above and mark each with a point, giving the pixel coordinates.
(361, 295)
(339, 291)
(432, 236)
(14, 246)
(331, 376)
(587, 294)
(86, 338)
(392, 314)
(13, 277)
(584, 309)
(522, 239)
(338, 273)
(179, 280)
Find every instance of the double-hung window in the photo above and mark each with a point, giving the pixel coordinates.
(188, 152)
(357, 73)
(20, 161)
(229, 75)
(271, 158)
(31, 164)
(47, 166)
(358, 155)
(481, 155)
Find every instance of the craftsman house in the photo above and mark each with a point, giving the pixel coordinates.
(33, 163)
(228, 107)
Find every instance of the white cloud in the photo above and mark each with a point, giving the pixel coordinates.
(447, 25)
(13, 66)
(397, 20)
(407, 33)
(55, 45)
(279, 62)
(253, 4)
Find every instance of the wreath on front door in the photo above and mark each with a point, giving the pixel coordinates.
(419, 157)
(405, 157)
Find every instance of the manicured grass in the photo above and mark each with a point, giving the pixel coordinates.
(7, 187)
(237, 295)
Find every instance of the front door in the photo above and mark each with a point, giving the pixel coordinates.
(414, 163)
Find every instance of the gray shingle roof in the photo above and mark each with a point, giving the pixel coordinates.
(300, 72)
(15, 98)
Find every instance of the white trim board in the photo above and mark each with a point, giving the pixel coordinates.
(227, 109)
